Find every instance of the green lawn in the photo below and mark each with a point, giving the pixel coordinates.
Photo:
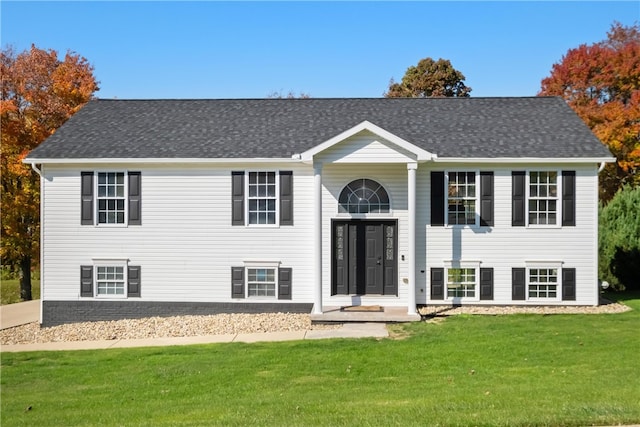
(10, 290)
(571, 370)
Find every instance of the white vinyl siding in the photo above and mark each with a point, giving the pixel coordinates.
(186, 246)
(186, 243)
(504, 247)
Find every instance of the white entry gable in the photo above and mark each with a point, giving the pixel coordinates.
(366, 143)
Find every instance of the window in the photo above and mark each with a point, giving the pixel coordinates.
(109, 278)
(363, 196)
(543, 283)
(110, 281)
(261, 282)
(461, 198)
(262, 198)
(543, 197)
(461, 283)
(111, 198)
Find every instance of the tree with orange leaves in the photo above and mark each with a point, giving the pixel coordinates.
(39, 93)
(601, 82)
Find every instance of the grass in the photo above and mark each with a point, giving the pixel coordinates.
(10, 290)
(518, 370)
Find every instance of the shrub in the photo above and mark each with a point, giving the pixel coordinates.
(619, 240)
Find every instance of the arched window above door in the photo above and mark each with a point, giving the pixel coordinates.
(364, 196)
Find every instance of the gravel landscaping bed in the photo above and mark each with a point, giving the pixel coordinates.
(220, 324)
(604, 308)
(158, 327)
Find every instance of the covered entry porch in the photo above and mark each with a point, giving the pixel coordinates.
(357, 273)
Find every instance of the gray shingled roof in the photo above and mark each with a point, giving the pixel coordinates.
(542, 127)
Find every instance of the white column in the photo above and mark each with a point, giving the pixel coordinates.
(317, 238)
(411, 207)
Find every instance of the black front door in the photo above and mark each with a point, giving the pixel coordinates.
(364, 257)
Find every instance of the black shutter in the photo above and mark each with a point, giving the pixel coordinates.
(437, 283)
(237, 198)
(237, 282)
(518, 284)
(133, 281)
(568, 284)
(134, 199)
(286, 198)
(486, 283)
(486, 198)
(437, 198)
(284, 283)
(86, 281)
(568, 198)
(518, 202)
(86, 198)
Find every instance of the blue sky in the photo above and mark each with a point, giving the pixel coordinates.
(211, 49)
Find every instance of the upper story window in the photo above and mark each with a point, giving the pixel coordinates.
(364, 196)
(543, 198)
(461, 198)
(261, 198)
(110, 198)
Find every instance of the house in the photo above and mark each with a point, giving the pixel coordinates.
(167, 207)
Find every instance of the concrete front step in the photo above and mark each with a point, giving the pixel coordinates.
(351, 314)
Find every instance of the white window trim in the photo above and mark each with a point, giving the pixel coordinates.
(558, 197)
(544, 265)
(110, 262)
(276, 224)
(96, 222)
(473, 265)
(266, 264)
(476, 224)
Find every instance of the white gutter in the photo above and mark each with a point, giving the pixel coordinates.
(502, 160)
(85, 161)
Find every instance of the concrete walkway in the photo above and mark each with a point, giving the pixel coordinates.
(19, 313)
(349, 330)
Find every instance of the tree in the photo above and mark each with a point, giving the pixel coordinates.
(291, 95)
(619, 240)
(39, 93)
(601, 82)
(429, 78)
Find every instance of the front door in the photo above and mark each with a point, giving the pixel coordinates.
(364, 257)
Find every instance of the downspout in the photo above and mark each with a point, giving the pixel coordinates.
(35, 168)
(602, 165)
(39, 172)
